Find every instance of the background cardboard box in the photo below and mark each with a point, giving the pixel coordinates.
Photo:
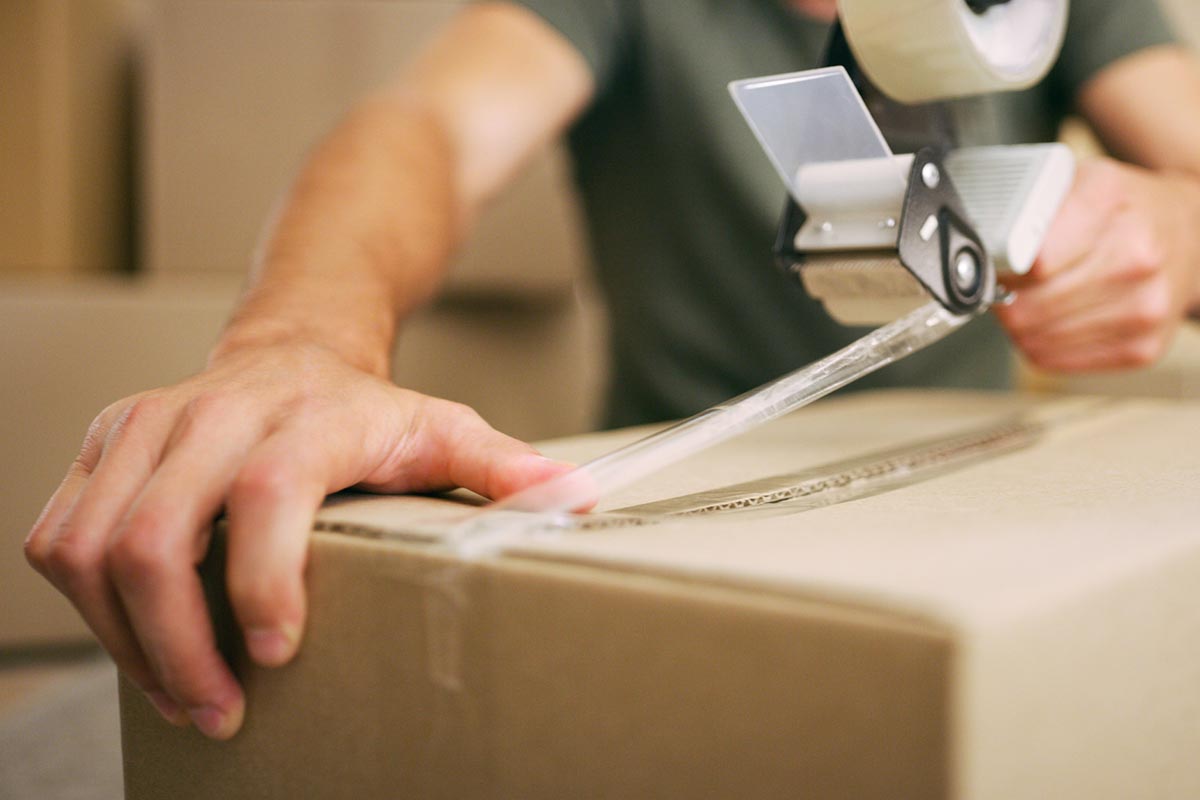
(67, 350)
(1020, 623)
(66, 71)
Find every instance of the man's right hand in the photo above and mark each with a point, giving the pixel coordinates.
(293, 405)
(265, 433)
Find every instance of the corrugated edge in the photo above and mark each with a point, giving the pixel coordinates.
(794, 492)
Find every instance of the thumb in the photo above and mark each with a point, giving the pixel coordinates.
(452, 446)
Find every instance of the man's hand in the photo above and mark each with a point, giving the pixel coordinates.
(266, 432)
(294, 403)
(1119, 272)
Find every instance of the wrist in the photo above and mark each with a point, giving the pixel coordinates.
(1193, 308)
(1186, 197)
(360, 331)
(263, 335)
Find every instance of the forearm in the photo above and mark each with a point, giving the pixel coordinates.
(1145, 109)
(365, 232)
(361, 237)
(1189, 183)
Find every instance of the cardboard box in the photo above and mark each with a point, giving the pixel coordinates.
(65, 79)
(237, 91)
(67, 350)
(969, 596)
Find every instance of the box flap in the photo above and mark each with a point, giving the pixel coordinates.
(1104, 489)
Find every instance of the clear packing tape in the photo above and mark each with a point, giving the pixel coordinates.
(548, 509)
(489, 530)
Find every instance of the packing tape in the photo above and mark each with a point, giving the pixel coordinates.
(499, 524)
(500, 527)
(919, 51)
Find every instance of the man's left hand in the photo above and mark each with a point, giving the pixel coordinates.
(1117, 275)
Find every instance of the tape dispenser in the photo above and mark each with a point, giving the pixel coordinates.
(873, 234)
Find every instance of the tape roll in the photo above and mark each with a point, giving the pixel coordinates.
(918, 51)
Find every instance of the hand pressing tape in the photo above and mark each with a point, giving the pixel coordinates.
(919, 51)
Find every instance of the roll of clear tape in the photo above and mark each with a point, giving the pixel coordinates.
(919, 51)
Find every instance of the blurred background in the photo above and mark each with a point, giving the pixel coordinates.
(142, 144)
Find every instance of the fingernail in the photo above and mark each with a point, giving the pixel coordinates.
(168, 708)
(543, 462)
(215, 723)
(272, 647)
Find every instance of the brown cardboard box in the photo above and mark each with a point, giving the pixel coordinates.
(65, 80)
(1011, 612)
(238, 90)
(68, 350)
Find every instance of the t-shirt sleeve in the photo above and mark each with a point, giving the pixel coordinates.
(599, 30)
(1101, 32)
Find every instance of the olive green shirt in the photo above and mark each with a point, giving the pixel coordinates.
(682, 204)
